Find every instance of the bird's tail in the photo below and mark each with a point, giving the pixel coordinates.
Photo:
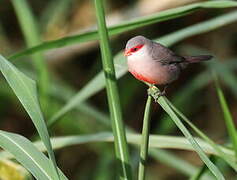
(196, 59)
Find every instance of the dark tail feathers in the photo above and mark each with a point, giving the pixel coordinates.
(196, 59)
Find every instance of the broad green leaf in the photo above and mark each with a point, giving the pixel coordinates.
(25, 90)
(127, 26)
(98, 83)
(29, 156)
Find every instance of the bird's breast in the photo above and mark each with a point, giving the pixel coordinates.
(148, 70)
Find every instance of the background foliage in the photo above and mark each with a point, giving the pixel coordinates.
(52, 62)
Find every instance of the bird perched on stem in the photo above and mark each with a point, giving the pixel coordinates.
(154, 63)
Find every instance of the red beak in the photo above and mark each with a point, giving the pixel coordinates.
(127, 52)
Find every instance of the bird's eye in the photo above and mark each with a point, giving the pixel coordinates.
(136, 48)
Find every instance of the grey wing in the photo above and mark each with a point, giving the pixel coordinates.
(164, 55)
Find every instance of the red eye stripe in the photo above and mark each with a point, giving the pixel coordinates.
(136, 48)
(129, 52)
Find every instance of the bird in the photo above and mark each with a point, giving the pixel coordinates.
(155, 64)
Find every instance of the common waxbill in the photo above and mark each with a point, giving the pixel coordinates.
(154, 63)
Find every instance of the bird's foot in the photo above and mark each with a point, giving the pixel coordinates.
(164, 91)
(155, 92)
(158, 94)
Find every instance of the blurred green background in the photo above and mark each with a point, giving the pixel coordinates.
(71, 67)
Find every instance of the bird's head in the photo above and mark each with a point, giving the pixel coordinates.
(135, 44)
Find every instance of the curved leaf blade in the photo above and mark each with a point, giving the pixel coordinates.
(28, 155)
(156, 141)
(25, 90)
(163, 101)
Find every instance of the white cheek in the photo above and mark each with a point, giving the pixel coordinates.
(138, 60)
(139, 55)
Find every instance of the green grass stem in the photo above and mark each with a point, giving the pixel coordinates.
(121, 147)
(165, 105)
(227, 115)
(202, 170)
(145, 140)
(217, 148)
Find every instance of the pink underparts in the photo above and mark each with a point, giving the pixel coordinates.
(143, 78)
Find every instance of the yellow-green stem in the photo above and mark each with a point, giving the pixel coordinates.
(121, 147)
(163, 101)
(227, 115)
(145, 140)
(202, 170)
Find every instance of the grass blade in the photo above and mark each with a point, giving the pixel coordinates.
(32, 38)
(126, 26)
(121, 147)
(156, 141)
(27, 154)
(222, 154)
(25, 90)
(163, 103)
(53, 13)
(227, 115)
(173, 161)
(98, 83)
(160, 155)
(202, 170)
(145, 140)
(183, 98)
(200, 28)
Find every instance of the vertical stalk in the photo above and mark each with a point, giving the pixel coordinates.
(121, 147)
(145, 140)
